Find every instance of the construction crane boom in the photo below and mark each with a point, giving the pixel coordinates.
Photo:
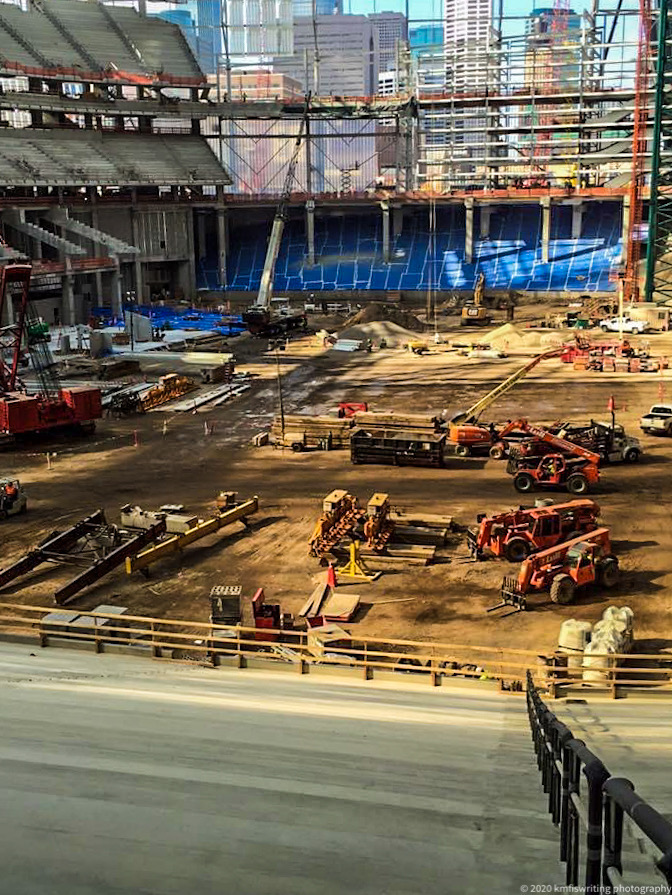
(472, 414)
(266, 285)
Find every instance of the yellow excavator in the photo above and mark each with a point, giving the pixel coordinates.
(476, 314)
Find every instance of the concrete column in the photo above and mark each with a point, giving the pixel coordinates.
(545, 203)
(68, 309)
(200, 222)
(484, 221)
(137, 263)
(116, 298)
(386, 232)
(577, 220)
(397, 221)
(95, 248)
(222, 245)
(310, 231)
(626, 229)
(469, 231)
(191, 258)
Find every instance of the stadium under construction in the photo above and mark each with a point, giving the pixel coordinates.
(127, 173)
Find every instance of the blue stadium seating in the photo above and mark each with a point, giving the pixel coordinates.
(349, 253)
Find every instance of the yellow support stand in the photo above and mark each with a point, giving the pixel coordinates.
(355, 568)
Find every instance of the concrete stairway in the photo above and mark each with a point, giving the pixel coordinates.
(269, 783)
(632, 737)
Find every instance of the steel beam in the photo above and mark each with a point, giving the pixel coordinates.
(100, 568)
(202, 530)
(58, 542)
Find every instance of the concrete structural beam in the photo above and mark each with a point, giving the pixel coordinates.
(222, 245)
(116, 296)
(397, 221)
(545, 203)
(484, 221)
(469, 231)
(387, 256)
(310, 231)
(577, 220)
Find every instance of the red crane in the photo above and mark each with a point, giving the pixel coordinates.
(51, 407)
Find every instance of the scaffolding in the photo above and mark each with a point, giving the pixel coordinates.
(527, 111)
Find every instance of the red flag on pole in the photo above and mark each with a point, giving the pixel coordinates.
(611, 407)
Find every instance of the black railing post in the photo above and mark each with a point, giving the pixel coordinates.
(560, 735)
(613, 837)
(596, 775)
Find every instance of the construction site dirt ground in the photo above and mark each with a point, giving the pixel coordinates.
(446, 601)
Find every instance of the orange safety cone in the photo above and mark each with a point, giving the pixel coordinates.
(331, 576)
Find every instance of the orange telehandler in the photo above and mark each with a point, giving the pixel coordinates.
(584, 560)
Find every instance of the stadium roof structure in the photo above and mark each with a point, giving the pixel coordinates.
(84, 40)
(78, 157)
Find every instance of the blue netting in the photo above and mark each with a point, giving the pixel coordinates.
(350, 253)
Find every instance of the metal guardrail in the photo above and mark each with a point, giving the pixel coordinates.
(588, 806)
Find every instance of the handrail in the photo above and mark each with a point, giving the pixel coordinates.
(590, 821)
(433, 660)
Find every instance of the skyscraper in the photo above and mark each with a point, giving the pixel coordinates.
(552, 55)
(348, 51)
(322, 7)
(392, 29)
(468, 40)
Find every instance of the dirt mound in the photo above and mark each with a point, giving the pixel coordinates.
(375, 313)
(510, 337)
(394, 335)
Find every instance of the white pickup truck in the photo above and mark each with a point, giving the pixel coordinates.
(627, 324)
(658, 421)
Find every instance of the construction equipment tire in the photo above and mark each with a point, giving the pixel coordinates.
(462, 450)
(578, 484)
(632, 455)
(523, 482)
(516, 550)
(497, 452)
(563, 589)
(608, 572)
(297, 447)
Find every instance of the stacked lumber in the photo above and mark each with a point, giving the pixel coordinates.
(312, 431)
(416, 422)
(424, 520)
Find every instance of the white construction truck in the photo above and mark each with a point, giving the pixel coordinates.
(658, 421)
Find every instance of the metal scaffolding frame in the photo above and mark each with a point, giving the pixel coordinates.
(508, 122)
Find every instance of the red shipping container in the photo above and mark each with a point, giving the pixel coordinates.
(19, 413)
(85, 402)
